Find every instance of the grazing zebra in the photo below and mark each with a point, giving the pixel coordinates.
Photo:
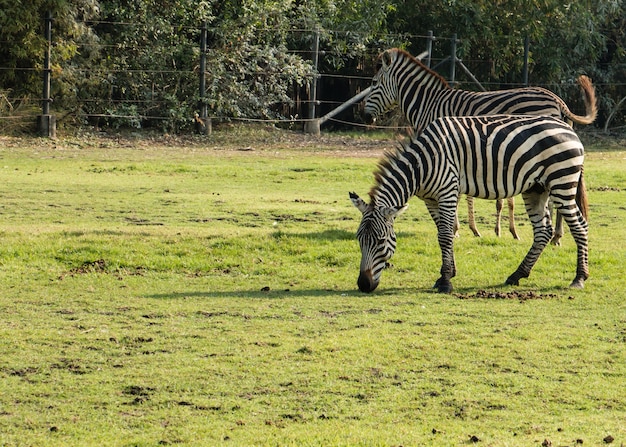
(490, 157)
(423, 96)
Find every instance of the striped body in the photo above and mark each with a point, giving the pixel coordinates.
(489, 157)
(424, 96)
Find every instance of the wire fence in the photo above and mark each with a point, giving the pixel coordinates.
(332, 86)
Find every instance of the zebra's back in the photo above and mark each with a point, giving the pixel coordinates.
(423, 95)
(449, 102)
(497, 156)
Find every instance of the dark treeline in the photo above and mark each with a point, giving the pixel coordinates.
(135, 63)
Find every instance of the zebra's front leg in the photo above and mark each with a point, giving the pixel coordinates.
(536, 207)
(445, 236)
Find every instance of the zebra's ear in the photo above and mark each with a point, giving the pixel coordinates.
(386, 59)
(394, 211)
(358, 202)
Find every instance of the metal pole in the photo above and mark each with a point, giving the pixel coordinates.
(47, 33)
(313, 124)
(356, 98)
(203, 123)
(526, 51)
(453, 59)
(46, 123)
(429, 48)
(471, 75)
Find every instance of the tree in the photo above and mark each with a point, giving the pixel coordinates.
(251, 69)
(147, 55)
(21, 31)
(566, 38)
(135, 62)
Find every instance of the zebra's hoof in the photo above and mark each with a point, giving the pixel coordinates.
(578, 283)
(440, 282)
(443, 286)
(512, 280)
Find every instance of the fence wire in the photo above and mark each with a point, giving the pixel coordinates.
(14, 108)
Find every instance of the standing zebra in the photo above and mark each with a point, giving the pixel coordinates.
(423, 96)
(490, 157)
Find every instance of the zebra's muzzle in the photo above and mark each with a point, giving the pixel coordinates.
(369, 118)
(366, 283)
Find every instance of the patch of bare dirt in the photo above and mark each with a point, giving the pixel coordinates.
(512, 295)
(102, 266)
(98, 266)
(240, 138)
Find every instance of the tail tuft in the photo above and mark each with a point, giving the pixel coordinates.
(591, 106)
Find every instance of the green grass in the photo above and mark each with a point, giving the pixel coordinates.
(190, 293)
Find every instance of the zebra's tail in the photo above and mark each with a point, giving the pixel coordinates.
(581, 197)
(591, 106)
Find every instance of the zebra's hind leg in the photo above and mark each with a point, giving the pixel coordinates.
(558, 230)
(498, 216)
(579, 228)
(537, 209)
(457, 225)
(511, 204)
(470, 216)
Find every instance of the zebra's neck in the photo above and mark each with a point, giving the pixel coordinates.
(397, 178)
(418, 86)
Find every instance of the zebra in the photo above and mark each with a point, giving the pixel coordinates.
(424, 95)
(490, 157)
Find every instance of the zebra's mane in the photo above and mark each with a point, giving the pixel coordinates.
(388, 162)
(416, 61)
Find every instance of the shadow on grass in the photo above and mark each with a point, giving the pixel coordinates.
(261, 294)
(490, 291)
(331, 235)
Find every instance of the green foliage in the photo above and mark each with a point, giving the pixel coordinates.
(347, 27)
(23, 44)
(251, 80)
(566, 39)
(115, 57)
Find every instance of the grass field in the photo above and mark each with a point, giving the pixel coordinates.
(203, 292)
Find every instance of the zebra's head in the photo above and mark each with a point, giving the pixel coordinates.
(384, 91)
(377, 240)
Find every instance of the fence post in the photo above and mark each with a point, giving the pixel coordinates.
(453, 59)
(429, 48)
(526, 50)
(46, 123)
(312, 125)
(203, 122)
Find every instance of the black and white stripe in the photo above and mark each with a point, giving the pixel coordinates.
(489, 157)
(423, 95)
(377, 239)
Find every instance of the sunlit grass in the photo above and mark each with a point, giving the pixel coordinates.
(198, 295)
